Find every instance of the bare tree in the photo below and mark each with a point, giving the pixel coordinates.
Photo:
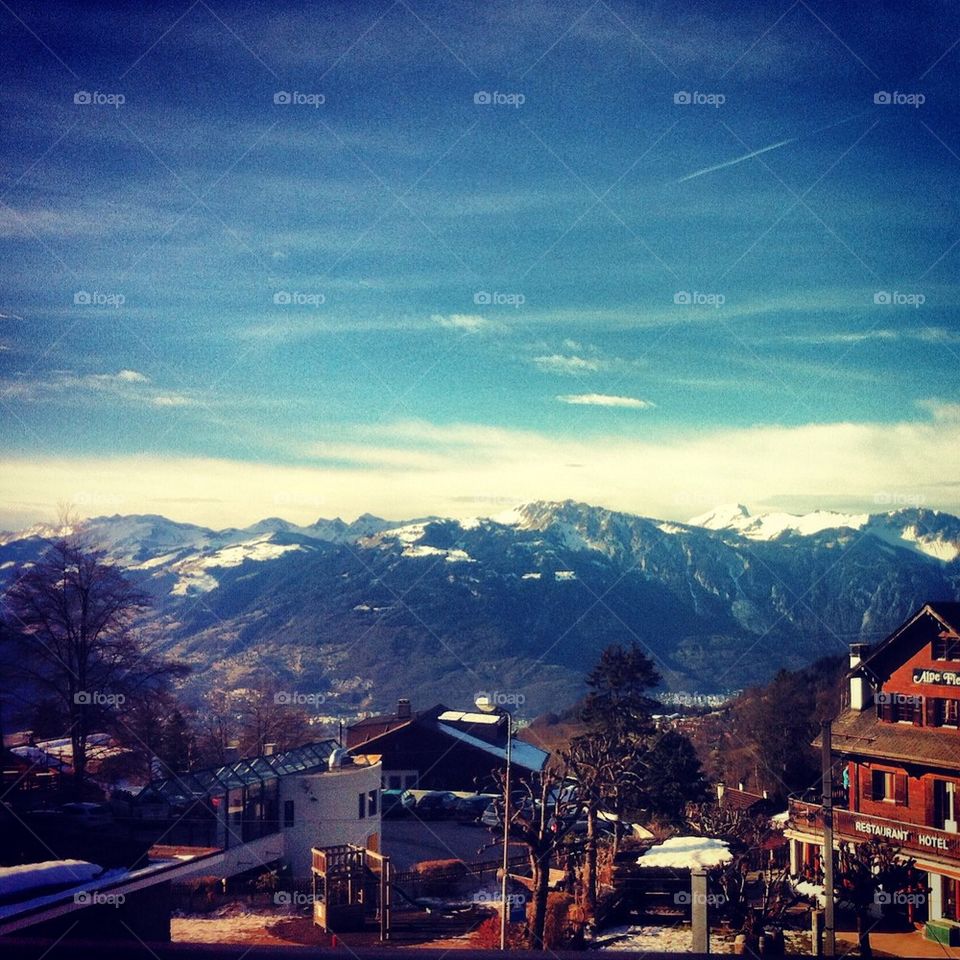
(74, 614)
(541, 824)
(608, 776)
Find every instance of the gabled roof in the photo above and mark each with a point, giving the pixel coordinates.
(736, 799)
(875, 664)
(521, 753)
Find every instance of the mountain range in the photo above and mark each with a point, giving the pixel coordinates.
(521, 603)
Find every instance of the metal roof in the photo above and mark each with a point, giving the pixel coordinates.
(213, 781)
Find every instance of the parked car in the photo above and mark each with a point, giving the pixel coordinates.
(395, 803)
(434, 804)
(471, 809)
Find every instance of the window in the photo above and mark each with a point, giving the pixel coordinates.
(361, 806)
(947, 713)
(394, 781)
(410, 781)
(372, 803)
(944, 803)
(288, 813)
(886, 786)
(946, 648)
(899, 708)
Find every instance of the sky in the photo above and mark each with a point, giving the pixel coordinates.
(414, 258)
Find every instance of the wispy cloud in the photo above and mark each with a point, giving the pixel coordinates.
(559, 363)
(65, 386)
(605, 400)
(466, 322)
(415, 468)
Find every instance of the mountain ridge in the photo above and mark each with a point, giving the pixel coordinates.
(523, 601)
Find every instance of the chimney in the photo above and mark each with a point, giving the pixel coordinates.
(766, 795)
(861, 694)
(720, 788)
(740, 786)
(403, 709)
(269, 749)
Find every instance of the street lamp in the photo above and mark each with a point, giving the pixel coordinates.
(485, 704)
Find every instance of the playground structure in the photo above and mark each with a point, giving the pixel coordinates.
(351, 886)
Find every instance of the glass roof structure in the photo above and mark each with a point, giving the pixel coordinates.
(216, 781)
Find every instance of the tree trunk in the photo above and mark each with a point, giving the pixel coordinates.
(863, 934)
(590, 860)
(541, 888)
(78, 740)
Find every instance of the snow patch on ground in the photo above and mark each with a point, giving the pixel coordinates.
(686, 853)
(531, 576)
(564, 575)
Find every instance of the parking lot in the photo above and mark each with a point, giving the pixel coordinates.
(409, 841)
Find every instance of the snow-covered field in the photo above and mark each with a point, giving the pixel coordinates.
(679, 939)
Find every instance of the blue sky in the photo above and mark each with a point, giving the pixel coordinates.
(653, 258)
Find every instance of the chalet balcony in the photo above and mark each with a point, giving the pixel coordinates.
(919, 841)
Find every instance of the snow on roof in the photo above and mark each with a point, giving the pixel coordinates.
(778, 819)
(687, 853)
(522, 753)
(27, 877)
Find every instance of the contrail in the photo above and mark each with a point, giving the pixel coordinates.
(736, 160)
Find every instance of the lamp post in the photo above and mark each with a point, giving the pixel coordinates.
(487, 706)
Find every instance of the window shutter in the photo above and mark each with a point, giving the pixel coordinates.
(866, 780)
(918, 712)
(900, 789)
(930, 711)
(888, 715)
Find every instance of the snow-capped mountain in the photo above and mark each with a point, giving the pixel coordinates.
(929, 532)
(524, 601)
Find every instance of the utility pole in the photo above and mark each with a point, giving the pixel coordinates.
(829, 931)
(504, 883)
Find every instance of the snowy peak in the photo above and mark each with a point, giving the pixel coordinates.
(727, 517)
(927, 532)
